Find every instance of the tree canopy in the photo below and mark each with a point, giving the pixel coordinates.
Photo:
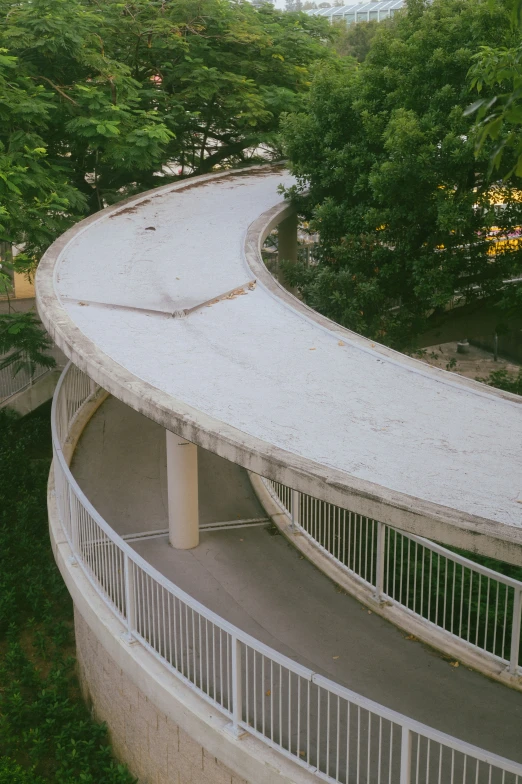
(100, 100)
(355, 40)
(404, 208)
(499, 117)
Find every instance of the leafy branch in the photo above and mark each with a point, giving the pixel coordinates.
(24, 344)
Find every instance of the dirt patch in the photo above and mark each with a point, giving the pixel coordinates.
(131, 208)
(475, 363)
(261, 171)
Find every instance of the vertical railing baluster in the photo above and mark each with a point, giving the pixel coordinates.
(130, 597)
(515, 631)
(379, 565)
(295, 510)
(73, 517)
(237, 687)
(405, 770)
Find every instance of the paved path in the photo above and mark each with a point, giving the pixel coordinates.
(256, 580)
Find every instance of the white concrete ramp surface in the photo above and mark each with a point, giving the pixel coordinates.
(266, 384)
(163, 301)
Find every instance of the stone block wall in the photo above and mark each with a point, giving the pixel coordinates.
(155, 748)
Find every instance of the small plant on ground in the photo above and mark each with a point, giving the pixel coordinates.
(503, 379)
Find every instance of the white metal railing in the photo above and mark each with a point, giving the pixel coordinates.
(475, 604)
(335, 733)
(11, 384)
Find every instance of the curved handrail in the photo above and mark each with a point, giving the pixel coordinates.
(11, 385)
(410, 572)
(332, 731)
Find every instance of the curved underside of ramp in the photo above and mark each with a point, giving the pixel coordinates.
(163, 300)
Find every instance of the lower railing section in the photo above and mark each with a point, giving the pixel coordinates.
(459, 597)
(11, 384)
(331, 731)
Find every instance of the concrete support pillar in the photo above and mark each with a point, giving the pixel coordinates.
(287, 239)
(182, 488)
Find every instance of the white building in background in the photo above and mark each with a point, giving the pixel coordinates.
(351, 13)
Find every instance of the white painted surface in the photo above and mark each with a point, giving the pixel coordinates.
(182, 490)
(271, 372)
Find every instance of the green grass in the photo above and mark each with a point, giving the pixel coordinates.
(46, 732)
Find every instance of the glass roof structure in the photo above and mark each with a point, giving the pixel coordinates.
(360, 12)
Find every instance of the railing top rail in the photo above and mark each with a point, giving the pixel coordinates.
(205, 612)
(466, 562)
(293, 666)
(417, 727)
(460, 559)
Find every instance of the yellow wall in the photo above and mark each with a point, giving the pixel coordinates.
(23, 286)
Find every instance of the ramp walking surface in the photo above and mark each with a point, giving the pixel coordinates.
(256, 580)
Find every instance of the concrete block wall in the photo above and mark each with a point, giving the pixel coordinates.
(155, 748)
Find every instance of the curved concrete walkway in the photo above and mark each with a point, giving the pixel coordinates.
(265, 382)
(256, 580)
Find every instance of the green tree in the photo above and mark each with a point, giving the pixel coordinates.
(23, 343)
(401, 203)
(77, 110)
(99, 101)
(355, 40)
(220, 73)
(499, 117)
(110, 99)
(35, 195)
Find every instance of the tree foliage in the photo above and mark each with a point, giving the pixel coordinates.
(499, 117)
(99, 100)
(36, 198)
(12, 773)
(47, 735)
(355, 40)
(402, 205)
(23, 343)
(503, 379)
(102, 100)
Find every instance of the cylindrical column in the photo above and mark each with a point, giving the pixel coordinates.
(287, 239)
(182, 488)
